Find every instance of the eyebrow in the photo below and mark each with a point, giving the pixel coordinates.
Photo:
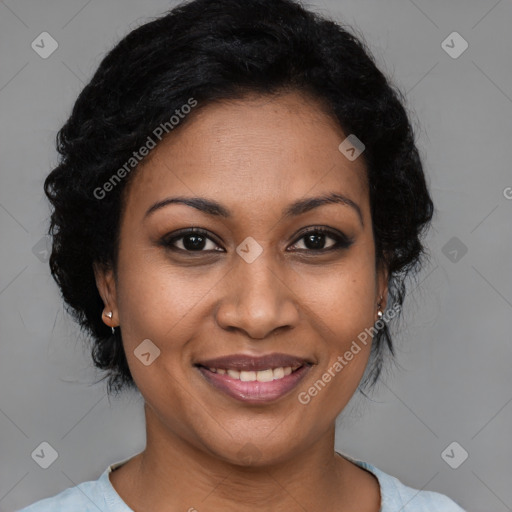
(211, 207)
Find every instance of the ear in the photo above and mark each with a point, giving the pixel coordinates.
(381, 285)
(105, 282)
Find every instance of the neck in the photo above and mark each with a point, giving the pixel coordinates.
(174, 474)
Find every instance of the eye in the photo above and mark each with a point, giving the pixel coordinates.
(191, 240)
(316, 238)
(198, 240)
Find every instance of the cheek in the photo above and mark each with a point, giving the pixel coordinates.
(153, 296)
(343, 309)
(341, 297)
(168, 305)
(153, 305)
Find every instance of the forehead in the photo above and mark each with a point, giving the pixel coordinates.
(261, 149)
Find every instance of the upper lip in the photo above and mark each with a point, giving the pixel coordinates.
(243, 362)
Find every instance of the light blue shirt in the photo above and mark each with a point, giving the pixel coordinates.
(100, 496)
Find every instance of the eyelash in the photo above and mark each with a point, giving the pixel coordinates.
(341, 240)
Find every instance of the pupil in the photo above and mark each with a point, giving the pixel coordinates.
(315, 241)
(198, 242)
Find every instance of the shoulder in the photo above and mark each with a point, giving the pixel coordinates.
(85, 497)
(397, 496)
(89, 496)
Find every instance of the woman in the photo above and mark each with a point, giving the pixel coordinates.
(238, 203)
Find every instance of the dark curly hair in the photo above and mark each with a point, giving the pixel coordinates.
(213, 50)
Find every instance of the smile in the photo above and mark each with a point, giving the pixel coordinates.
(255, 386)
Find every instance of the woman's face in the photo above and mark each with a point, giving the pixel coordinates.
(254, 283)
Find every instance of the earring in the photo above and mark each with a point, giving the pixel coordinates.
(380, 314)
(109, 314)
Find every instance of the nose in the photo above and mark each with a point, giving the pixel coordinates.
(257, 299)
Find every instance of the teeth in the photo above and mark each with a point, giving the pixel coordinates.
(278, 373)
(264, 375)
(234, 374)
(260, 376)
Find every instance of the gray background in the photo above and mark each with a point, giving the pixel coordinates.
(454, 352)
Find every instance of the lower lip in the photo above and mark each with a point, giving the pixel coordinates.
(254, 391)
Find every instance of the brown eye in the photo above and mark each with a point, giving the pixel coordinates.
(315, 240)
(191, 240)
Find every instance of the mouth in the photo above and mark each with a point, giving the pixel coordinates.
(255, 379)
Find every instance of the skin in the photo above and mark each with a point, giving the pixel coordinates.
(255, 156)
